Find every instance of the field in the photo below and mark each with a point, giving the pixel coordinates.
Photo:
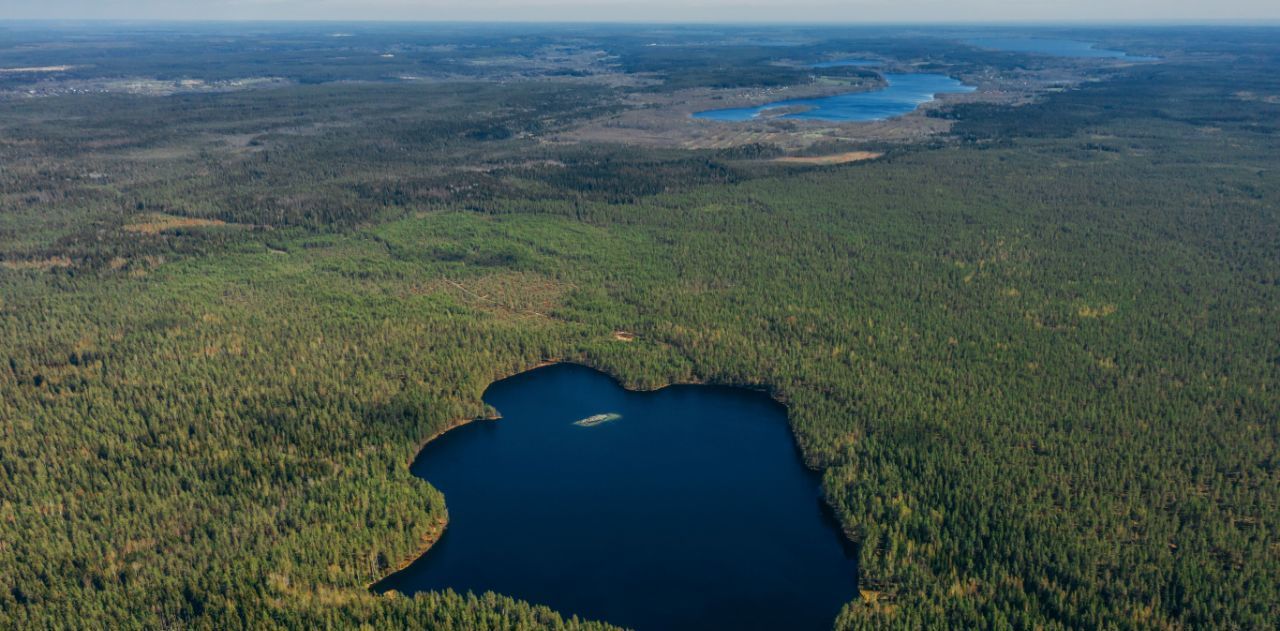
(1033, 351)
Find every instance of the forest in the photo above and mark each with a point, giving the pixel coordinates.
(1034, 358)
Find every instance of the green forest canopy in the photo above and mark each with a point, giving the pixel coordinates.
(1035, 361)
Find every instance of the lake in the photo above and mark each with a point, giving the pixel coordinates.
(903, 95)
(690, 510)
(1052, 47)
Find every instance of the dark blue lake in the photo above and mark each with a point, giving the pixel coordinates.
(904, 94)
(691, 511)
(1052, 47)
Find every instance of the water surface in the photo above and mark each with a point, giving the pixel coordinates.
(692, 510)
(1053, 47)
(903, 95)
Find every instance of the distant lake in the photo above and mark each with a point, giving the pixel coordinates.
(904, 94)
(690, 510)
(1053, 47)
(840, 63)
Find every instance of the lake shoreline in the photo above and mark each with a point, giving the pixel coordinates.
(901, 94)
(433, 534)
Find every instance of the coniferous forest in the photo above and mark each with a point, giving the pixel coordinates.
(1033, 354)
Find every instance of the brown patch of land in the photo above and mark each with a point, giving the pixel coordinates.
(624, 336)
(38, 264)
(835, 158)
(1087, 311)
(156, 223)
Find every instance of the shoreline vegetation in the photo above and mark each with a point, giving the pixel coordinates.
(433, 533)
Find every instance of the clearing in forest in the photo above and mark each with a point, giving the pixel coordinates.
(835, 158)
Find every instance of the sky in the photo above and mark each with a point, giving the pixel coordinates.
(806, 11)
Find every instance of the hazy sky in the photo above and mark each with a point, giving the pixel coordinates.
(812, 11)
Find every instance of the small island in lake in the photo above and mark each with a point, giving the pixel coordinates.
(597, 419)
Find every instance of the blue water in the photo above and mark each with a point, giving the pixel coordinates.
(905, 93)
(1053, 47)
(692, 511)
(840, 63)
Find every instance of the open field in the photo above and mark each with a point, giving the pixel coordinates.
(827, 160)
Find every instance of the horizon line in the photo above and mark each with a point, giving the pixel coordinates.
(1255, 22)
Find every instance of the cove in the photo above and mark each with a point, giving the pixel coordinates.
(904, 94)
(1053, 47)
(684, 508)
